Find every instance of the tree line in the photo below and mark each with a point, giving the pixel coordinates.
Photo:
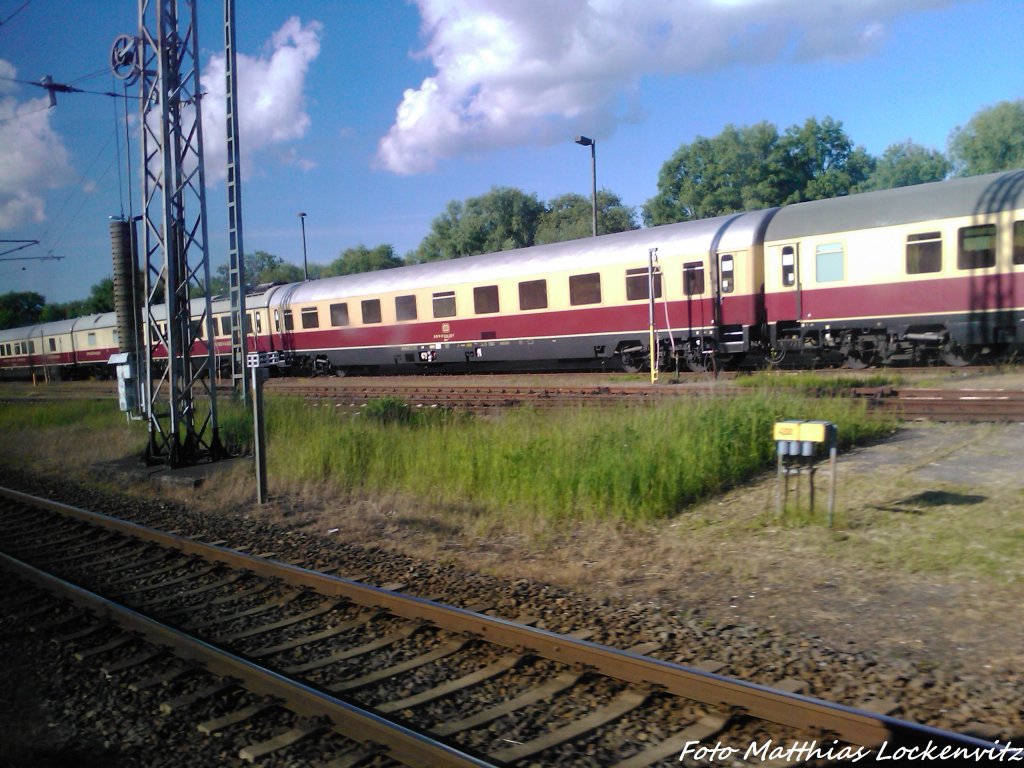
(742, 168)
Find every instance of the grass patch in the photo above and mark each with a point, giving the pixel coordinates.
(628, 463)
(810, 383)
(48, 415)
(66, 434)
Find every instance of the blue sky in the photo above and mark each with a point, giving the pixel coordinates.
(371, 115)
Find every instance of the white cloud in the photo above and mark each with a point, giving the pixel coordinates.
(534, 71)
(271, 100)
(32, 156)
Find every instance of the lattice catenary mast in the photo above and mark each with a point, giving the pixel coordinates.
(164, 59)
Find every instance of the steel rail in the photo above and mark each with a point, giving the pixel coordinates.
(849, 724)
(403, 744)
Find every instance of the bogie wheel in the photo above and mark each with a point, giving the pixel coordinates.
(631, 362)
(856, 362)
(695, 359)
(775, 356)
(957, 356)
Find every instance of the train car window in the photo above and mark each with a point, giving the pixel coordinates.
(371, 311)
(976, 247)
(32, 347)
(339, 314)
(310, 317)
(289, 323)
(585, 289)
(405, 307)
(828, 262)
(225, 325)
(693, 278)
(788, 265)
(637, 282)
(53, 344)
(1018, 242)
(485, 299)
(728, 273)
(533, 294)
(90, 339)
(444, 304)
(277, 321)
(924, 253)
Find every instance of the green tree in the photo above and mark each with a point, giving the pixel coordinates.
(19, 308)
(904, 165)
(993, 140)
(362, 259)
(743, 169)
(819, 161)
(571, 216)
(284, 272)
(53, 312)
(736, 170)
(503, 219)
(260, 267)
(101, 297)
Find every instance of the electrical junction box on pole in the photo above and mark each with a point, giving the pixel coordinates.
(796, 444)
(802, 438)
(127, 387)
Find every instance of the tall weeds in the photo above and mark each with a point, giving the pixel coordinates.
(629, 463)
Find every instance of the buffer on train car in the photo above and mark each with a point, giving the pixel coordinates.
(797, 444)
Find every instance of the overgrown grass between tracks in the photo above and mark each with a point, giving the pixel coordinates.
(629, 463)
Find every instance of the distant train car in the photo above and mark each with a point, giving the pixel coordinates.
(18, 350)
(62, 349)
(920, 273)
(575, 304)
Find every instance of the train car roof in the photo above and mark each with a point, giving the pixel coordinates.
(59, 326)
(923, 202)
(733, 232)
(102, 320)
(18, 334)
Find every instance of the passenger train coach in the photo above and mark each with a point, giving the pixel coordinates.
(931, 272)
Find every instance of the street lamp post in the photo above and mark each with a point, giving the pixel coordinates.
(583, 141)
(305, 266)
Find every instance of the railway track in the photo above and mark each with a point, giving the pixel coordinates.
(303, 667)
(974, 405)
(968, 405)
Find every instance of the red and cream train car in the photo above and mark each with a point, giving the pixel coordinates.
(916, 273)
(580, 303)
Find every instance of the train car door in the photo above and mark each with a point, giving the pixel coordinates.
(698, 316)
(788, 303)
